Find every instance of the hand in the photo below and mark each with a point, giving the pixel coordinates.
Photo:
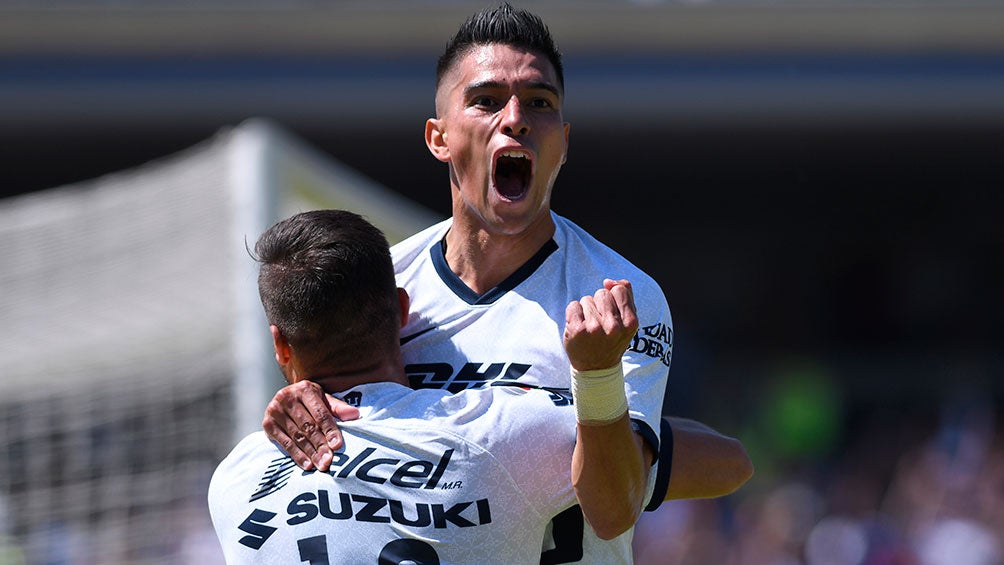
(301, 418)
(599, 328)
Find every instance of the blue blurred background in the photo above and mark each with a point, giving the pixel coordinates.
(817, 185)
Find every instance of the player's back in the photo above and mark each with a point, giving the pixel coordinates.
(424, 476)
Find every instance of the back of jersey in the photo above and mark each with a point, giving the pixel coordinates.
(424, 477)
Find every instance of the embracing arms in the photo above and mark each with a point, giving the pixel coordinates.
(704, 462)
(611, 461)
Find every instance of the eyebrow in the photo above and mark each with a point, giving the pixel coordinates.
(494, 84)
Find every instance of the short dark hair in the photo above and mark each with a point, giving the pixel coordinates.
(503, 25)
(326, 280)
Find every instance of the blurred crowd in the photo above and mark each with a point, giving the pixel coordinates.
(901, 489)
(873, 480)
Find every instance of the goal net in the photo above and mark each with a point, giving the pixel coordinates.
(135, 351)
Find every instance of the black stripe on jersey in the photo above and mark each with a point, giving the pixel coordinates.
(275, 477)
(665, 466)
(469, 296)
(559, 396)
(408, 338)
(646, 432)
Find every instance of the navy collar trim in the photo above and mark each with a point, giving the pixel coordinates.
(512, 281)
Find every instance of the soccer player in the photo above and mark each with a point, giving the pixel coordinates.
(491, 286)
(425, 476)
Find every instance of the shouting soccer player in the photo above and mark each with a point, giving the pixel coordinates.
(491, 285)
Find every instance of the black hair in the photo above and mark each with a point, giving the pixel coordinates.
(326, 280)
(502, 25)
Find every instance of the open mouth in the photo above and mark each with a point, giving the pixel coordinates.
(512, 174)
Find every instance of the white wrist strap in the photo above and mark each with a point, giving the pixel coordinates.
(599, 395)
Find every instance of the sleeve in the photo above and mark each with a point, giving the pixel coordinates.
(664, 468)
(646, 362)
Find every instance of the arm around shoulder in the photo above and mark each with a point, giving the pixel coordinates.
(705, 463)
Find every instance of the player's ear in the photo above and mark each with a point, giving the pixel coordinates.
(282, 349)
(435, 139)
(405, 302)
(564, 156)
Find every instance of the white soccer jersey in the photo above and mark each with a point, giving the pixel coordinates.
(455, 339)
(425, 477)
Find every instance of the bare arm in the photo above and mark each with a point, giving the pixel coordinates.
(610, 467)
(705, 463)
(610, 464)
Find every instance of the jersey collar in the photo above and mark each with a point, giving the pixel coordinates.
(469, 296)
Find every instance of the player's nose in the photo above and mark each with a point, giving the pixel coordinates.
(513, 119)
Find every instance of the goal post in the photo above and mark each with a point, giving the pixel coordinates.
(136, 351)
(275, 175)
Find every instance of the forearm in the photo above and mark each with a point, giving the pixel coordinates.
(610, 462)
(610, 466)
(705, 463)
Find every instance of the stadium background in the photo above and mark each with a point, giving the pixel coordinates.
(816, 185)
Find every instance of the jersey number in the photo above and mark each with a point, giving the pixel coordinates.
(314, 550)
(566, 529)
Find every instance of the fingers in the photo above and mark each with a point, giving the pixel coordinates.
(312, 417)
(573, 318)
(299, 419)
(610, 309)
(610, 283)
(593, 309)
(275, 424)
(620, 286)
(279, 435)
(340, 410)
(614, 309)
(599, 328)
(622, 294)
(623, 298)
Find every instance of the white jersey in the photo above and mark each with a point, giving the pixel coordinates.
(425, 476)
(456, 339)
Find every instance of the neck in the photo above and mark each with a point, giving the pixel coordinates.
(387, 369)
(483, 259)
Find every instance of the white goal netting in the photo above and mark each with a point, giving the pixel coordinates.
(135, 352)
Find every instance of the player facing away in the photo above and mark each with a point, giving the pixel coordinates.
(424, 476)
(492, 289)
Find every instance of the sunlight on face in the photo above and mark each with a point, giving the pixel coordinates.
(500, 128)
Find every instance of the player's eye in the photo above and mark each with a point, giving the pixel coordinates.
(540, 103)
(483, 101)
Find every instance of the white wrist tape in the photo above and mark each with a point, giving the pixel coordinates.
(599, 395)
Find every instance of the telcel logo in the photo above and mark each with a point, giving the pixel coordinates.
(379, 470)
